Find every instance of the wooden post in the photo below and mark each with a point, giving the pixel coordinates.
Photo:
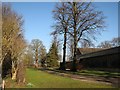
(3, 84)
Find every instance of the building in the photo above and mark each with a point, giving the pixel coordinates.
(97, 58)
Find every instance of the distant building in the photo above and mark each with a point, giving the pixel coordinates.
(83, 51)
(88, 50)
(96, 58)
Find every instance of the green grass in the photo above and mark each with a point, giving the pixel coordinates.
(91, 72)
(41, 79)
(99, 73)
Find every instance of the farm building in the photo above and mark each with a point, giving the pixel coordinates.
(97, 58)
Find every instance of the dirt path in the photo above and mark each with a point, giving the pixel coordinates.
(97, 79)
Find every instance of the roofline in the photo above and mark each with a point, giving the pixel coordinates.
(100, 53)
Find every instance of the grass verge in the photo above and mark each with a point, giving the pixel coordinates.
(40, 79)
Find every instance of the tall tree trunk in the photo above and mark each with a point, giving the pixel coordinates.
(75, 58)
(21, 73)
(1, 68)
(75, 38)
(64, 49)
(14, 71)
(36, 58)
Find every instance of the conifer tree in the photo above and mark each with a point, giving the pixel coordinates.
(52, 56)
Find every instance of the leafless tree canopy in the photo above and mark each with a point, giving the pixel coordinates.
(13, 41)
(80, 20)
(115, 42)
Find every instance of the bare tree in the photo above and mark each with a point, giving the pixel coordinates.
(80, 20)
(115, 42)
(43, 55)
(70, 48)
(12, 36)
(61, 26)
(86, 44)
(35, 45)
(28, 56)
(86, 22)
(105, 44)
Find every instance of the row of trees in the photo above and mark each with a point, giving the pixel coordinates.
(13, 42)
(36, 54)
(16, 53)
(39, 51)
(77, 22)
(115, 42)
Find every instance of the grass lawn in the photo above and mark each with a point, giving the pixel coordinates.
(41, 79)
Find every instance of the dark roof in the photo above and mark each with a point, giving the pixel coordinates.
(88, 50)
(109, 51)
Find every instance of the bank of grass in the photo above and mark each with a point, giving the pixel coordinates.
(41, 79)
